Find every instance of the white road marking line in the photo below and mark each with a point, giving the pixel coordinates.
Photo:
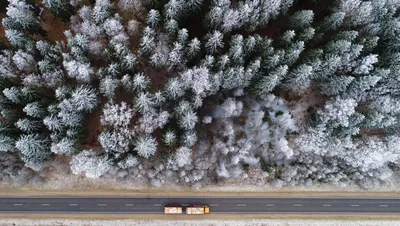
(185, 204)
(241, 204)
(102, 204)
(157, 204)
(213, 204)
(18, 204)
(45, 204)
(128, 204)
(297, 205)
(383, 205)
(355, 205)
(73, 204)
(270, 204)
(326, 205)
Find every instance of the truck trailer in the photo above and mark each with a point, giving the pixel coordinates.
(197, 210)
(172, 210)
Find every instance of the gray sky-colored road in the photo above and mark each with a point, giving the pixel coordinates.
(217, 205)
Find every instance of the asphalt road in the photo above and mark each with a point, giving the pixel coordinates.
(217, 205)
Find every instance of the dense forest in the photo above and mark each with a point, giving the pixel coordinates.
(193, 92)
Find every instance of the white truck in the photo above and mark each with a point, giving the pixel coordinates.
(197, 210)
(191, 210)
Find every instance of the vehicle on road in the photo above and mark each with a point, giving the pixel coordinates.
(197, 210)
(192, 210)
(172, 210)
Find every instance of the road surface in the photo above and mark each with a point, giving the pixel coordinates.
(217, 205)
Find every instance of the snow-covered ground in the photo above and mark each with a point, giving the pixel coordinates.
(198, 222)
(61, 180)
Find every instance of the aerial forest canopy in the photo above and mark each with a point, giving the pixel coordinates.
(198, 92)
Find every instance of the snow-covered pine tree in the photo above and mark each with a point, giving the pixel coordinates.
(144, 102)
(269, 82)
(7, 144)
(336, 85)
(84, 99)
(60, 8)
(66, 146)
(147, 42)
(193, 48)
(145, 146)
(214, 42)
(236, 50)
(170, 138)
(153, 18)
(108, 85)
(28, 125)
(23, 14)
(174, 88)
(35, 148)
(301, 19)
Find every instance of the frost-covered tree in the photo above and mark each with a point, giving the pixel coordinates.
(268, 83)
(236, 49)
(183, 36)
(23, 14)
(175, 57)
(333, 21)
(174, 9)
(66, 146)
(140, 82)
(336, 85)
(79, 70)
(338, 111)
(300, 77)
(13, 94)
(169, 138)
(108, 86)
(189, 138)
(174, 88)
(28, 125)
(114, 142)
(83, 99)
(194, 4)
(61, 8)
(147, 42)
(53, 123)
(145, 146)
(188, 119)
(153, 120)
(301, 19)
(19, 39)
(91, 165)
(144, 102)
(171, 27)
(198, 79)
(183, 156)
(24, 61)
(214, 42)
(117, 115)
(35, 149)
(128, 162)
(159, 97)
(153, 18)
(7, 144)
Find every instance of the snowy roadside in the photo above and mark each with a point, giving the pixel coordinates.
(59, 179)
(70, 182)
(78, 185)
